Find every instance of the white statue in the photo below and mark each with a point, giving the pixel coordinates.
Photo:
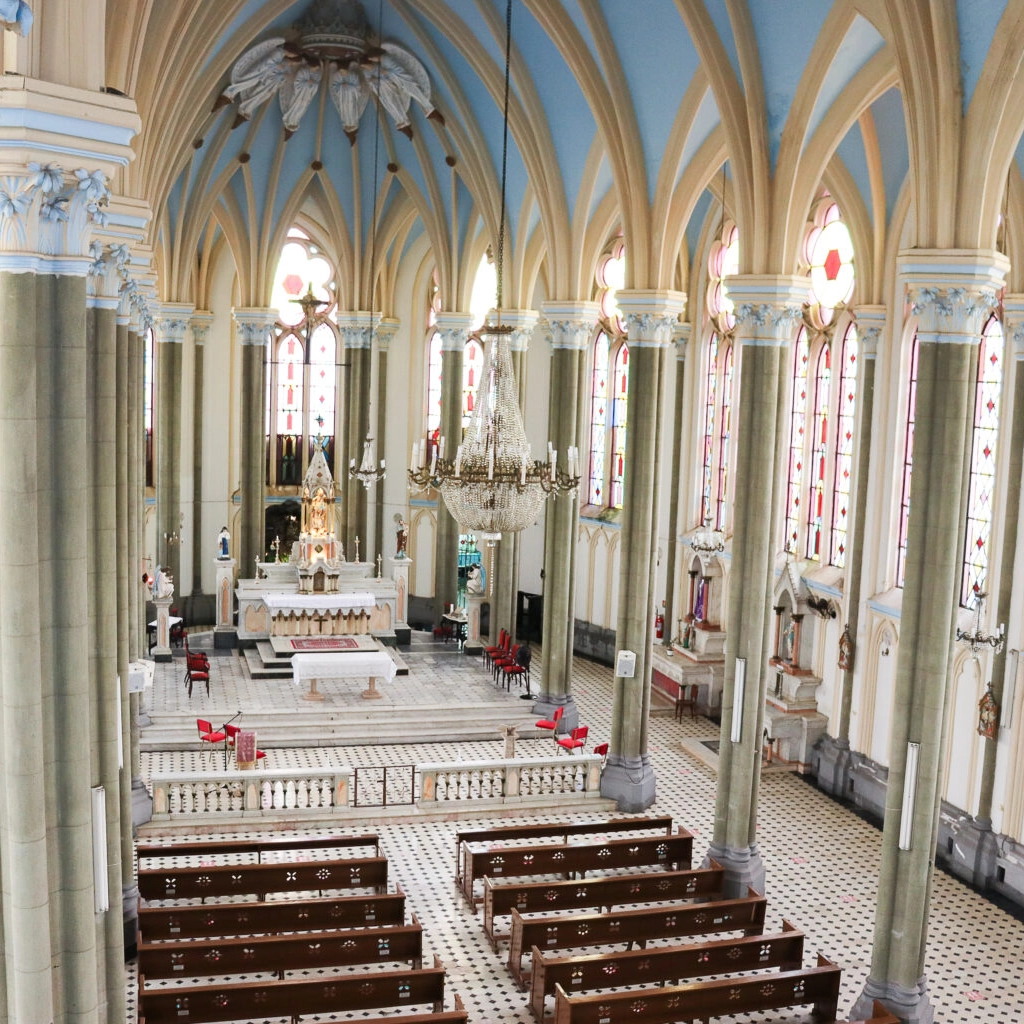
(475, 581)
(163, 585)
(16, 16)
(224, 543)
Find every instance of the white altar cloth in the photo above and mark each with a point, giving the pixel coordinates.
(372, 665)
(319, 602)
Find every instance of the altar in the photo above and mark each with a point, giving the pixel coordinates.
(357, 665)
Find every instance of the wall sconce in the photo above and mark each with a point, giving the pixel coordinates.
(739, 687)
(909, 796)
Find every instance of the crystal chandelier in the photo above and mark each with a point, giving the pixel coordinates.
(976, 639)
(706, 541)
(369, 473)
(493, 485)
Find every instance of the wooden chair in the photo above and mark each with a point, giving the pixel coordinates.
(687, 699)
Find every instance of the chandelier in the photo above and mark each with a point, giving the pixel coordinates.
(976, 639)
(706, 541)
(368, 473)
(493, 485)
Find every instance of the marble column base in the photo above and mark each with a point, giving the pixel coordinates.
(911, 1005)
(142, 803)
(833, 757)
(130, 914)
(629, 781)
(545, 704)
(743, 866)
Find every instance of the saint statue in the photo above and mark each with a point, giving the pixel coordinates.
(163, 585)
(474, 581)
(223, 543)
(318, 514)
(401, 535)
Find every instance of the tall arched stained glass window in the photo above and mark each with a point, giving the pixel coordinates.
(620, 383)
(598, 419)
(434, 384)
(288, 425)
(908, 466)
(710, 405)
(472, 364)
(988, 390)
(148, 361)
(843, 478)
(724, 433)
(797, 428)
(323, 357)
(819, 451)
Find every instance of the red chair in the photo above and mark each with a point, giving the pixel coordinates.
(498, 648)
(503, 649)
(499, 663)
(519, 669)
(207, 735)
(552, 723)
(577, 739)
(602, 749)
(232, 731)
(197, 668)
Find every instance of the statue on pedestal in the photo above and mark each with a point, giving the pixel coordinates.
(401, 536)
(162, 585)
(474, 581)
(224, 543)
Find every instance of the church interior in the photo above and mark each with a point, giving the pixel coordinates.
(450, 442)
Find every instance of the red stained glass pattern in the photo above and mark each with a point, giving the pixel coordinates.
(795, 479)
(433, 383)
(322, 381)
(847, 409)
(908, 467)
(472, 365)
(724, 433)
(709, 427)
(983, 463)
(819, 452)
(598, 419)
(619, 408)
(289, 385)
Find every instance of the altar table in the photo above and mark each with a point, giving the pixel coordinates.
(357, 665)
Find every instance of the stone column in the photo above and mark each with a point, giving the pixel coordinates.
(454, 330)
(505, 585)
(834, 766)
(1013, 328)
(171, 326)
(768, 313)
(570, 330)
(628, 777)
(253, 328)
(951, 294)
(383, 332)
(356, 331)
(681, 337)
(200, 323)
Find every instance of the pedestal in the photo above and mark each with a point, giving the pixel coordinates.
(371, 692)
(474, 605)
(224, 632)
(401, 569)
(162, 648)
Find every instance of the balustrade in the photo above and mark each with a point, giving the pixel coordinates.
(510, 779)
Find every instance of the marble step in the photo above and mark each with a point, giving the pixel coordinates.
(422, 723)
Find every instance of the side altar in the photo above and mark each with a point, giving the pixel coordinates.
(318, 592)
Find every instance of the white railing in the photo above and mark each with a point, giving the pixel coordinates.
(510, 780)
(180, 795)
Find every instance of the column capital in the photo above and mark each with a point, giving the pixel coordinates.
(1013, 323)
(681, 333)
(253, 324)
(951, 291)
(570, 324)
(171, 322)
(767, 307)
(454, 329)
(356, 327)
(384, 331)
(650, 315)
(871, 322)
(200, 321)
(103, 282)
(522, 322)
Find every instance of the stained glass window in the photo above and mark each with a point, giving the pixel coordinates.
(472, 364)
(620, 383)
(322, 381)
(908, 466)
(433, 384)
(724, 433)
(847, 408)
(983, 463)
(611, 276)
(709, 426)
(723, 262)
(819, 451)
(598, 419)
(148, 357)
(795, 485)
(829, 254)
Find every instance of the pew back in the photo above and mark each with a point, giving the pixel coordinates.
(258, 847)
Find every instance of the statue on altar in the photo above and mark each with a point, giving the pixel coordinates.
(401, 536)
(224, 543)
(318, 513)
(320, 561)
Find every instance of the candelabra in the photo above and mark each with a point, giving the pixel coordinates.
(368, 473)
(706, 541)
(975, 638)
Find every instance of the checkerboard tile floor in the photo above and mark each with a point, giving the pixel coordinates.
(821, 863)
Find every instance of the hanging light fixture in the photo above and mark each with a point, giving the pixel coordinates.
(706, 541)
(492, 484)
(369, 474)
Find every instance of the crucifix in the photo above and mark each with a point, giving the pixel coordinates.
(310, 305)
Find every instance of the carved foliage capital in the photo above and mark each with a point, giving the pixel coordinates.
(951, 314)
(767, 323)
(650, 328)
(569, 333)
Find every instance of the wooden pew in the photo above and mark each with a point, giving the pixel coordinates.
(671, 851)
(706, 999)
(259, 847)
(662, 964)
(258, 1000)
(242, 879)
(227, 919)
(561, 831)
(604, 893)
(279, 953)
(745, 914)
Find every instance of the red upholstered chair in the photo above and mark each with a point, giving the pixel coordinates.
(576, 740)
(499, 647)
(207, 735)
(197, 668)
(602, 749)
(518, 669)
(499, 663)
(552, 723)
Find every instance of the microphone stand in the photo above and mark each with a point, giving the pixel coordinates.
(224, 729)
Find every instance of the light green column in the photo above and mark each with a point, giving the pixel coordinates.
(253, 329)
(383, 332)
(570, 330)
(106, 696)
(681, 338)
(951, 293)
(200, 323)
(171, 326)
(628, 777)
(505, 585)
(768, 314)
(454, 330)
(356, 331)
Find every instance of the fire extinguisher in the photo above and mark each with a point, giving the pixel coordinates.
(659, 623)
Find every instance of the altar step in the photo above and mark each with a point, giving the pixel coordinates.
(414, 723)
(264, 662)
